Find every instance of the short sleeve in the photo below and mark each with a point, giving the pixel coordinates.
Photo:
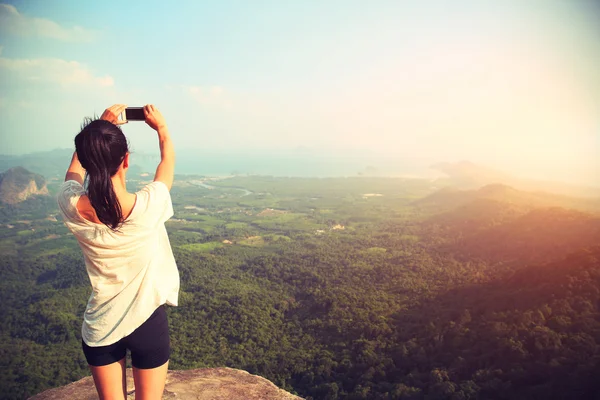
(67, 197)
(158, 205)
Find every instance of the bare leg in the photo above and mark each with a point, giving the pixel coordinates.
(110, 380)
(150, 383)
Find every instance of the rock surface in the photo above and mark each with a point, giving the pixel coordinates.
(17, 184)
(196, 384)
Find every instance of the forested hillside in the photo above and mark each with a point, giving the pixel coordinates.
(337, 289)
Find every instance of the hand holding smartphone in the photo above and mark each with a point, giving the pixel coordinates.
(113, 113)
(121, 114)
(133, 114)
(154, 118)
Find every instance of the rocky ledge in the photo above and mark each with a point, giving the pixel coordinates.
(196, 384)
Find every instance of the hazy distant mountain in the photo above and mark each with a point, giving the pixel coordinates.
(500, 224)
(451, 198)
(221, 162)
(542, 235)
(476, 215)
(17, 184)
(302, 162)
(52, 163)
(467, 175)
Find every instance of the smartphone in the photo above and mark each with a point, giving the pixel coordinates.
(134, 114)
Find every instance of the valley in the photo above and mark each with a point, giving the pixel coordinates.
(337, 288)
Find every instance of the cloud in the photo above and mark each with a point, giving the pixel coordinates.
(14, 23)
(52, 70)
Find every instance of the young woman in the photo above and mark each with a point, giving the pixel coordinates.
(127, 255)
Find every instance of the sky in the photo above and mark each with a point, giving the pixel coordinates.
(510, 84)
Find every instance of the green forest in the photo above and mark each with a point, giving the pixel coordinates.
(337, 288)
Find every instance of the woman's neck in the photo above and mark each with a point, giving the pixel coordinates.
(119, 184)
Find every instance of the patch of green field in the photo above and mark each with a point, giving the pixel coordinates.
(179, 237)
(274, 238)
(280, 216)
(239, 217)
(213, 220)
(259, 203)
(191, 217)
(254, 241)
(324, 211)
(189, 226)
(236, 225)
(287, 221)
(201, 247)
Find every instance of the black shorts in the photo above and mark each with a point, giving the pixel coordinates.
(149, 345)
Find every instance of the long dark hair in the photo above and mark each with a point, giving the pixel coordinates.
(101, 147)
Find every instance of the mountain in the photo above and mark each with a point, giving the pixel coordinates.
(451, 198)
(541, 235)
(17, 184)
(500, 224)
(468, 175)
(53, 164)
(196, 384)
(476, 215)
(50, 164)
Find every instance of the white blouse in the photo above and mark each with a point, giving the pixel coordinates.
(132, 271)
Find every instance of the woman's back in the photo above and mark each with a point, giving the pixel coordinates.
(132, 270)
(86, 210)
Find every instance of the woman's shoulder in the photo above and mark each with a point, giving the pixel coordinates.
(154, 203)
(71, 187)
(154, 192)
(155, 187)
(67, 197)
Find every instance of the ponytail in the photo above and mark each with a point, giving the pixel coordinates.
(101, 148)
(103, 198)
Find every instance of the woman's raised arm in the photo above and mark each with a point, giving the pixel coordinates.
(75, 171)
(166, 168)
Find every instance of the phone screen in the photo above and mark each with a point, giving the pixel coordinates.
(134, 114)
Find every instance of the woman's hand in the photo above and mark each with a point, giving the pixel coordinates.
(111, 114)
(154, 118)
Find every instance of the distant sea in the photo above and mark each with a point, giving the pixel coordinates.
(290, 164)
(293, 163)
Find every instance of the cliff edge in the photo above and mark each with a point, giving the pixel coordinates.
(196, 384)
(17, 184)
